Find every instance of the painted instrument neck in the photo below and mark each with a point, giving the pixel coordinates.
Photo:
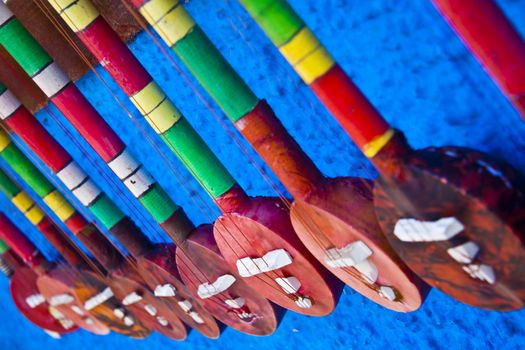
(22, 246)
(389, 160)
(279, 150)
(131, 237)
(101, 247)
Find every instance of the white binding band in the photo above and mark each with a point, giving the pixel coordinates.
(5, 13)
(8, 104)
(139, 182)
(272, 260)
(51, 79)
(87, 192)
(72, 175)
(222, 283)
(124, 164)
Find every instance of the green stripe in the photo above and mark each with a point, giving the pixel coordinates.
(276, 17)
(27, 170)
(216, 75)
(198, 158)
(23, 47)
(106, 211)
(7, 186)
(3, 247)
(2, 88)
(158, 203)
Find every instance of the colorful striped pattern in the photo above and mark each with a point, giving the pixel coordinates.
(3, 247)
(273, 143)
(317, 68)
(147, 96)
(95, 130)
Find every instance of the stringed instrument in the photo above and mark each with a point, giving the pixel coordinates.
(27, 298)
(259, 227)
(454, 215)
(334, 218)
(83, 286)
(255, 316)
(493, 40)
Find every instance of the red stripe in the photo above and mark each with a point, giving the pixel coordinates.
(17, 241)
(349, 106)
(88, 122)
(139, 3)
(76, 223)
(492, 39)
(27, 127)
(115, 56)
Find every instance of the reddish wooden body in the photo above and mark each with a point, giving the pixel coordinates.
(326, 213)
(125, 281)
(200, 248)
(494, 41)
(23, 285)
(482, 194)
(238, 234)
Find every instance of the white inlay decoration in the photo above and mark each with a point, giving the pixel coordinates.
(55, 313)
(412, 230)
(272, 260)
(90, 321)
(87, 192)
(165, 290)
(129, 321)
(131, 298)
(236, 303)
(119, 312)
(72, 175)
(51, 80)
(150, 309)
(61, 299)
(139, 182)
(98, 299)
(349, 255)
(482, 272)
(124, 164)
(77, 310)
(464, 253)
(185, 305)
(8, 104)
(196, 317)
(162, 321)
(5, 14)
(368, 270)
(35, 300)
(304, 302)
(289, 284)
(387, 293)
(222, 283)
(52, 334)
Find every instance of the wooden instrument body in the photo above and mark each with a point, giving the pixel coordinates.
(259, 225)
(126, 281)
(157, 267)
(259, 316)
(23, 285)
(483, 194)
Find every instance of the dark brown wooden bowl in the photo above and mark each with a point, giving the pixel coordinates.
(199, 261)
(485, 196)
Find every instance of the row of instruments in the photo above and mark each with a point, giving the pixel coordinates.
(450, 218)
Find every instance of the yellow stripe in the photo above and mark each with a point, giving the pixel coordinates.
(174, 26)
(377, 143)
(4, 140)
(59, 205)
(22, 201)
(35, 215)
(154, 10)
(306, 54)
(78, 14)
(159, 111)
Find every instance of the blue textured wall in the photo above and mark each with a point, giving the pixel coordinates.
(412, 67)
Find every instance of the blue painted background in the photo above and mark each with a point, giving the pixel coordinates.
(412, 67)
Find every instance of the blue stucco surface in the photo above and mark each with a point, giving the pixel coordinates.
(412, 67)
